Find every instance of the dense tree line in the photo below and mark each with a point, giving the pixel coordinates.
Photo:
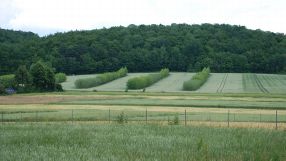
(179, 47)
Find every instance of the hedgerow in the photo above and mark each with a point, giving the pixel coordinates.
(145, 81)
(197, 80)
(100, 79)
(60, 77)
(8, 80)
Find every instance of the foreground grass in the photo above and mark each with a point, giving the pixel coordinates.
(138, 142)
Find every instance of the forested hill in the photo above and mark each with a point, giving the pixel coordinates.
(179, 47)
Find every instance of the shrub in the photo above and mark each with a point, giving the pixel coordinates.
(175, 121)
(197, 80)
(59, 87)
(2, 89)
(60, 77)
(8, 80)
(121, 118)
(100, 79)
(145, 81)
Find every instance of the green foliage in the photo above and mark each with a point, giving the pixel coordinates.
(175, 121)
(100, 79)
(43, 77)
(121, 118)
(145, 81)
(197, 80)
(179, 47)
(60, 77)
(2, 89)
(22, 76)
(59, 87)
(8, 80)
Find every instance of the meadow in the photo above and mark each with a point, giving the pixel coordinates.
(159, 108)
(85, 141)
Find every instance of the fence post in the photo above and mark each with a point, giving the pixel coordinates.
(276, 120)
(72, 116)
(185, 117)
(234, 117)
(146, 119)
(109, 115)
(228, 118)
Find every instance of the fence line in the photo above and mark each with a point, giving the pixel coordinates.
(184, 116)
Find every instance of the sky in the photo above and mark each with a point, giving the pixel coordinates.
(46, 17)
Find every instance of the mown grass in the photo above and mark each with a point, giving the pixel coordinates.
(48, 113)
(100, 79)
(138, 142)
(180, 103)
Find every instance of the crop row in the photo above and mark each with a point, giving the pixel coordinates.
(100, 79)
(197, 80)
(145, 81)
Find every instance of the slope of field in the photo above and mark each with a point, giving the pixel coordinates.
(217, 83)
(69, 83)
(173, 83)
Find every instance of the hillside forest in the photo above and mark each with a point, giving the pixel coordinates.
(178, 47)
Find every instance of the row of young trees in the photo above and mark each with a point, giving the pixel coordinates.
(197, 80)
(146, 81)
(39, 78)
(100, 79)
(179, 47)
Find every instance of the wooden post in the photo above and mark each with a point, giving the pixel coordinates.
(185, 117)
(72, 115)
(146, 119)
(109, 115)
(276, 120)
(228, 118)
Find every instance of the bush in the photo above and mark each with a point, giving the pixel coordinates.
(197, 80)
(8, 80)
(121, 118)
(60, 77)
(175, 121)
(59, 88)
(100, 79)
(145, 81)
(2, 89)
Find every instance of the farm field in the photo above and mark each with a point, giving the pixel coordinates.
(160, 107)
(75, 124)
(137, 142)
(217, 83)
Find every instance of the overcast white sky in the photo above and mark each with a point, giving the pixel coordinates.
(49, 16)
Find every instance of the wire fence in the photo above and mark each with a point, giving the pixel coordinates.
(273, 118)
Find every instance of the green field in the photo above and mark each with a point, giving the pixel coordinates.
(217, 83)
(138, 142)
(97, 106)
